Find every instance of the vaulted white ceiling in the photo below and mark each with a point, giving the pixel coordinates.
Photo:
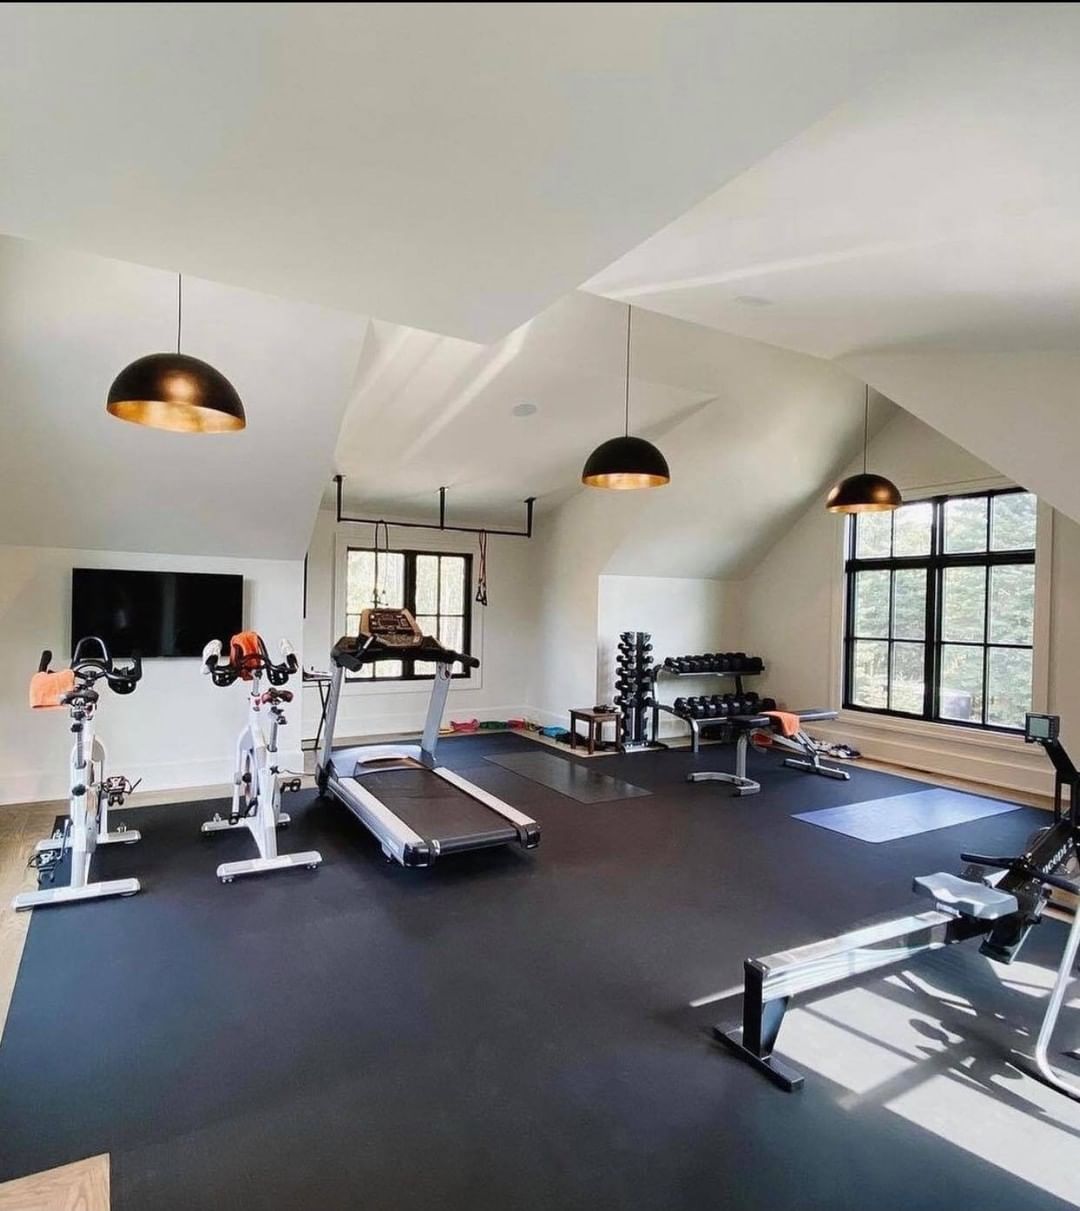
(927, 235)
(750, 431)
(454, 167)
(941, 206)
(71, 475)
(431, 411)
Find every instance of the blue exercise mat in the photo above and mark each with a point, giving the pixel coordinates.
(879, 820)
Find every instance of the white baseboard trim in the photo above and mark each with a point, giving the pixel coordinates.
(212, 777)
(1017, 768)
(411, 721)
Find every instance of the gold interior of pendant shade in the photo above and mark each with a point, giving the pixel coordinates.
(622, 480)
(864, 508)
(175, 391)
(179, 417)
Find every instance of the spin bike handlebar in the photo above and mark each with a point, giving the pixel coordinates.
(121, 679)
(225, 672)
(1020, 867)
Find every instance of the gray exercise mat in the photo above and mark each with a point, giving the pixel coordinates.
(569, 778)
(879, 820)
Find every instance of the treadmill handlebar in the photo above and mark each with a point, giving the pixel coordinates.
(353, 653)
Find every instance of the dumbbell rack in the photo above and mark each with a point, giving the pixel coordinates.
(634, 684)
(695, 725)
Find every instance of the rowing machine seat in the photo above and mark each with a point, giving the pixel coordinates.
(969, 899)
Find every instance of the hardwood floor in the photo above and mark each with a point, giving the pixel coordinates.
(80, 1186)
(20, 828)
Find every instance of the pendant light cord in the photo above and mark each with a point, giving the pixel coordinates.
(629, 314)
(865, 427)
(179, 307)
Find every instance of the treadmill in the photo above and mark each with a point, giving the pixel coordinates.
(417, 809)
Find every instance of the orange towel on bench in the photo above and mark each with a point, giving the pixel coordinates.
(246, 648)
(787, 722)
(46, 689)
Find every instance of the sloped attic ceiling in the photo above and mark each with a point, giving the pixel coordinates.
(73, 476)
(752, 432)
(455, 167)
(926, 236)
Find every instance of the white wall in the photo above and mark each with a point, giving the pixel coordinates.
(177, 730)
(684, 616)
(742, 466)
(504, 633)
(792, 614)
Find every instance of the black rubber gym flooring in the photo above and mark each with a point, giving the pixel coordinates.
(507, 1030)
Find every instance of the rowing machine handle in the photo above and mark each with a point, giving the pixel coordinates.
(43, 663)
(983, 860)
(1058, 881)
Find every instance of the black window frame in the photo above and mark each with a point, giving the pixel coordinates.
(936, 563)
(408, 672)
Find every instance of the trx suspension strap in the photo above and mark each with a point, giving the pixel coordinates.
(481, 577)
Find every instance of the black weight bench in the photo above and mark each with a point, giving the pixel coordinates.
(807, 756)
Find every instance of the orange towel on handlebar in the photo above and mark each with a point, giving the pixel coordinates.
(246, 652)
(47, 689)
(787, 722)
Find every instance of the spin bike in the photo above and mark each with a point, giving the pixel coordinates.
(92, 791)
(257, 781)
(997, 899)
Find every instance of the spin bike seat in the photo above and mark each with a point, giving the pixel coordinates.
(969, 899)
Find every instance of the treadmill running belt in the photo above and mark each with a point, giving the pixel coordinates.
(438, 811)
(568, 777)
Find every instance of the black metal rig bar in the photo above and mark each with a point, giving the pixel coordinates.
(441, 524)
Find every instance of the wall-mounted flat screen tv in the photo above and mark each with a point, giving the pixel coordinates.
(155, 613)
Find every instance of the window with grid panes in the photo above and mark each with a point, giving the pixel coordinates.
(939, 623)
(435, 586)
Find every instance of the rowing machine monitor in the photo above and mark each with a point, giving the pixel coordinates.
(1038, 729)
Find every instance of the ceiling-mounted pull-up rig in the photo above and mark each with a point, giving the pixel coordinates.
(441, 523)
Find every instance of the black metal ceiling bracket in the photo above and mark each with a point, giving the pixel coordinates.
(529, 502)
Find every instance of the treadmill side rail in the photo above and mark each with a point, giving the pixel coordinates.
(527, 829)
(394, 835)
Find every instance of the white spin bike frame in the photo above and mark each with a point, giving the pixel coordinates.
(257, 783)
(87, 825)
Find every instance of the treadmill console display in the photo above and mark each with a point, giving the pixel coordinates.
(1041, 728)
(391, 628)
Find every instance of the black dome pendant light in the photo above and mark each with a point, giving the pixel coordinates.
(864, 493)
(626, 462)
(176, 392)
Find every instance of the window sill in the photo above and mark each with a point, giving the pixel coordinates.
(1002, 741)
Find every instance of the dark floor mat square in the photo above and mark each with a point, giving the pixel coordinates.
(569, 778)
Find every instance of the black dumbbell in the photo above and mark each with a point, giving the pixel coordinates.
(767, 704)
(679, 706)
